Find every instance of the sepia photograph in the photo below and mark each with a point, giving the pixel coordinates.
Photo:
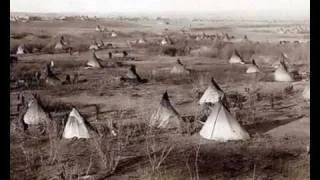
(159, 89)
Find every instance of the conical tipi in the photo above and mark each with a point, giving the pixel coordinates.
(213, 94)
(179, 68)
(94, 46)
(253, 68)
(114, 34)
(20, 50)
(306, 92)
(132, 74)
(284, 57)
(236, 58)
(165, 116)
(51, 78)
(35, 114)
(141, 41)
(221, 126)
(282, 74)
(164, 42)
(60, 44)
(94, 61)
(75, 126)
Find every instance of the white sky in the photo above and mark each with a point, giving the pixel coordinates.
(287, 7)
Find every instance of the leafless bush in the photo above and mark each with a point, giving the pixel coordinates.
(193, 170)
(108, 153)
(156, 151)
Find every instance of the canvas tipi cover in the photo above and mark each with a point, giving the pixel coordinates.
(132, 73)
(306, 92)
(60, 45)
(221, 126)
(165, 116)
(236, 58)
(284, 57)
(113, 34)
(164, 41)
(213, 94)
(253, 68)
(282, 74)
(94, 61)
(20, 50)
(35, 114)
(93, 46)
(75, 126)
(179, 68)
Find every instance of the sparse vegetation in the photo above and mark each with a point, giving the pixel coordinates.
(125, 147)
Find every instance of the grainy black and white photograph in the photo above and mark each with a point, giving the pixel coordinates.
(159, 89)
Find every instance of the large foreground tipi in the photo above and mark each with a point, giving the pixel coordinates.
(236, 58)
(281, 74)
(35, 114)
(221, 126)
(165, 116)
(75, 126)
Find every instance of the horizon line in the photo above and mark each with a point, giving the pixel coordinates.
(249, 14)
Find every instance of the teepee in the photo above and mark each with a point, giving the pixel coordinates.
(94, 46)
(75, 126)
(164, 42)
(213, 94)
(132, 74)
(101, 44)
(60, 44)
(282, 74)
(253, 68)
(94, 61)
(99, 28)
(221, 126)
(306, 92)
(284, 57)
(51, 79)
(179, 68)
(141, 41)
(165, 116)
(35, 114)
(114, 34)
(20, 50)
(236, 58)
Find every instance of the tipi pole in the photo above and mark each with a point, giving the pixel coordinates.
(214, 125)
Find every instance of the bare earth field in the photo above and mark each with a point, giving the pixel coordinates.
(279, 134)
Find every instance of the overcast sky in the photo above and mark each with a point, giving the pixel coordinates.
(288, 7)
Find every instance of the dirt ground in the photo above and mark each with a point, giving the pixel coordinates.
(279, 134)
